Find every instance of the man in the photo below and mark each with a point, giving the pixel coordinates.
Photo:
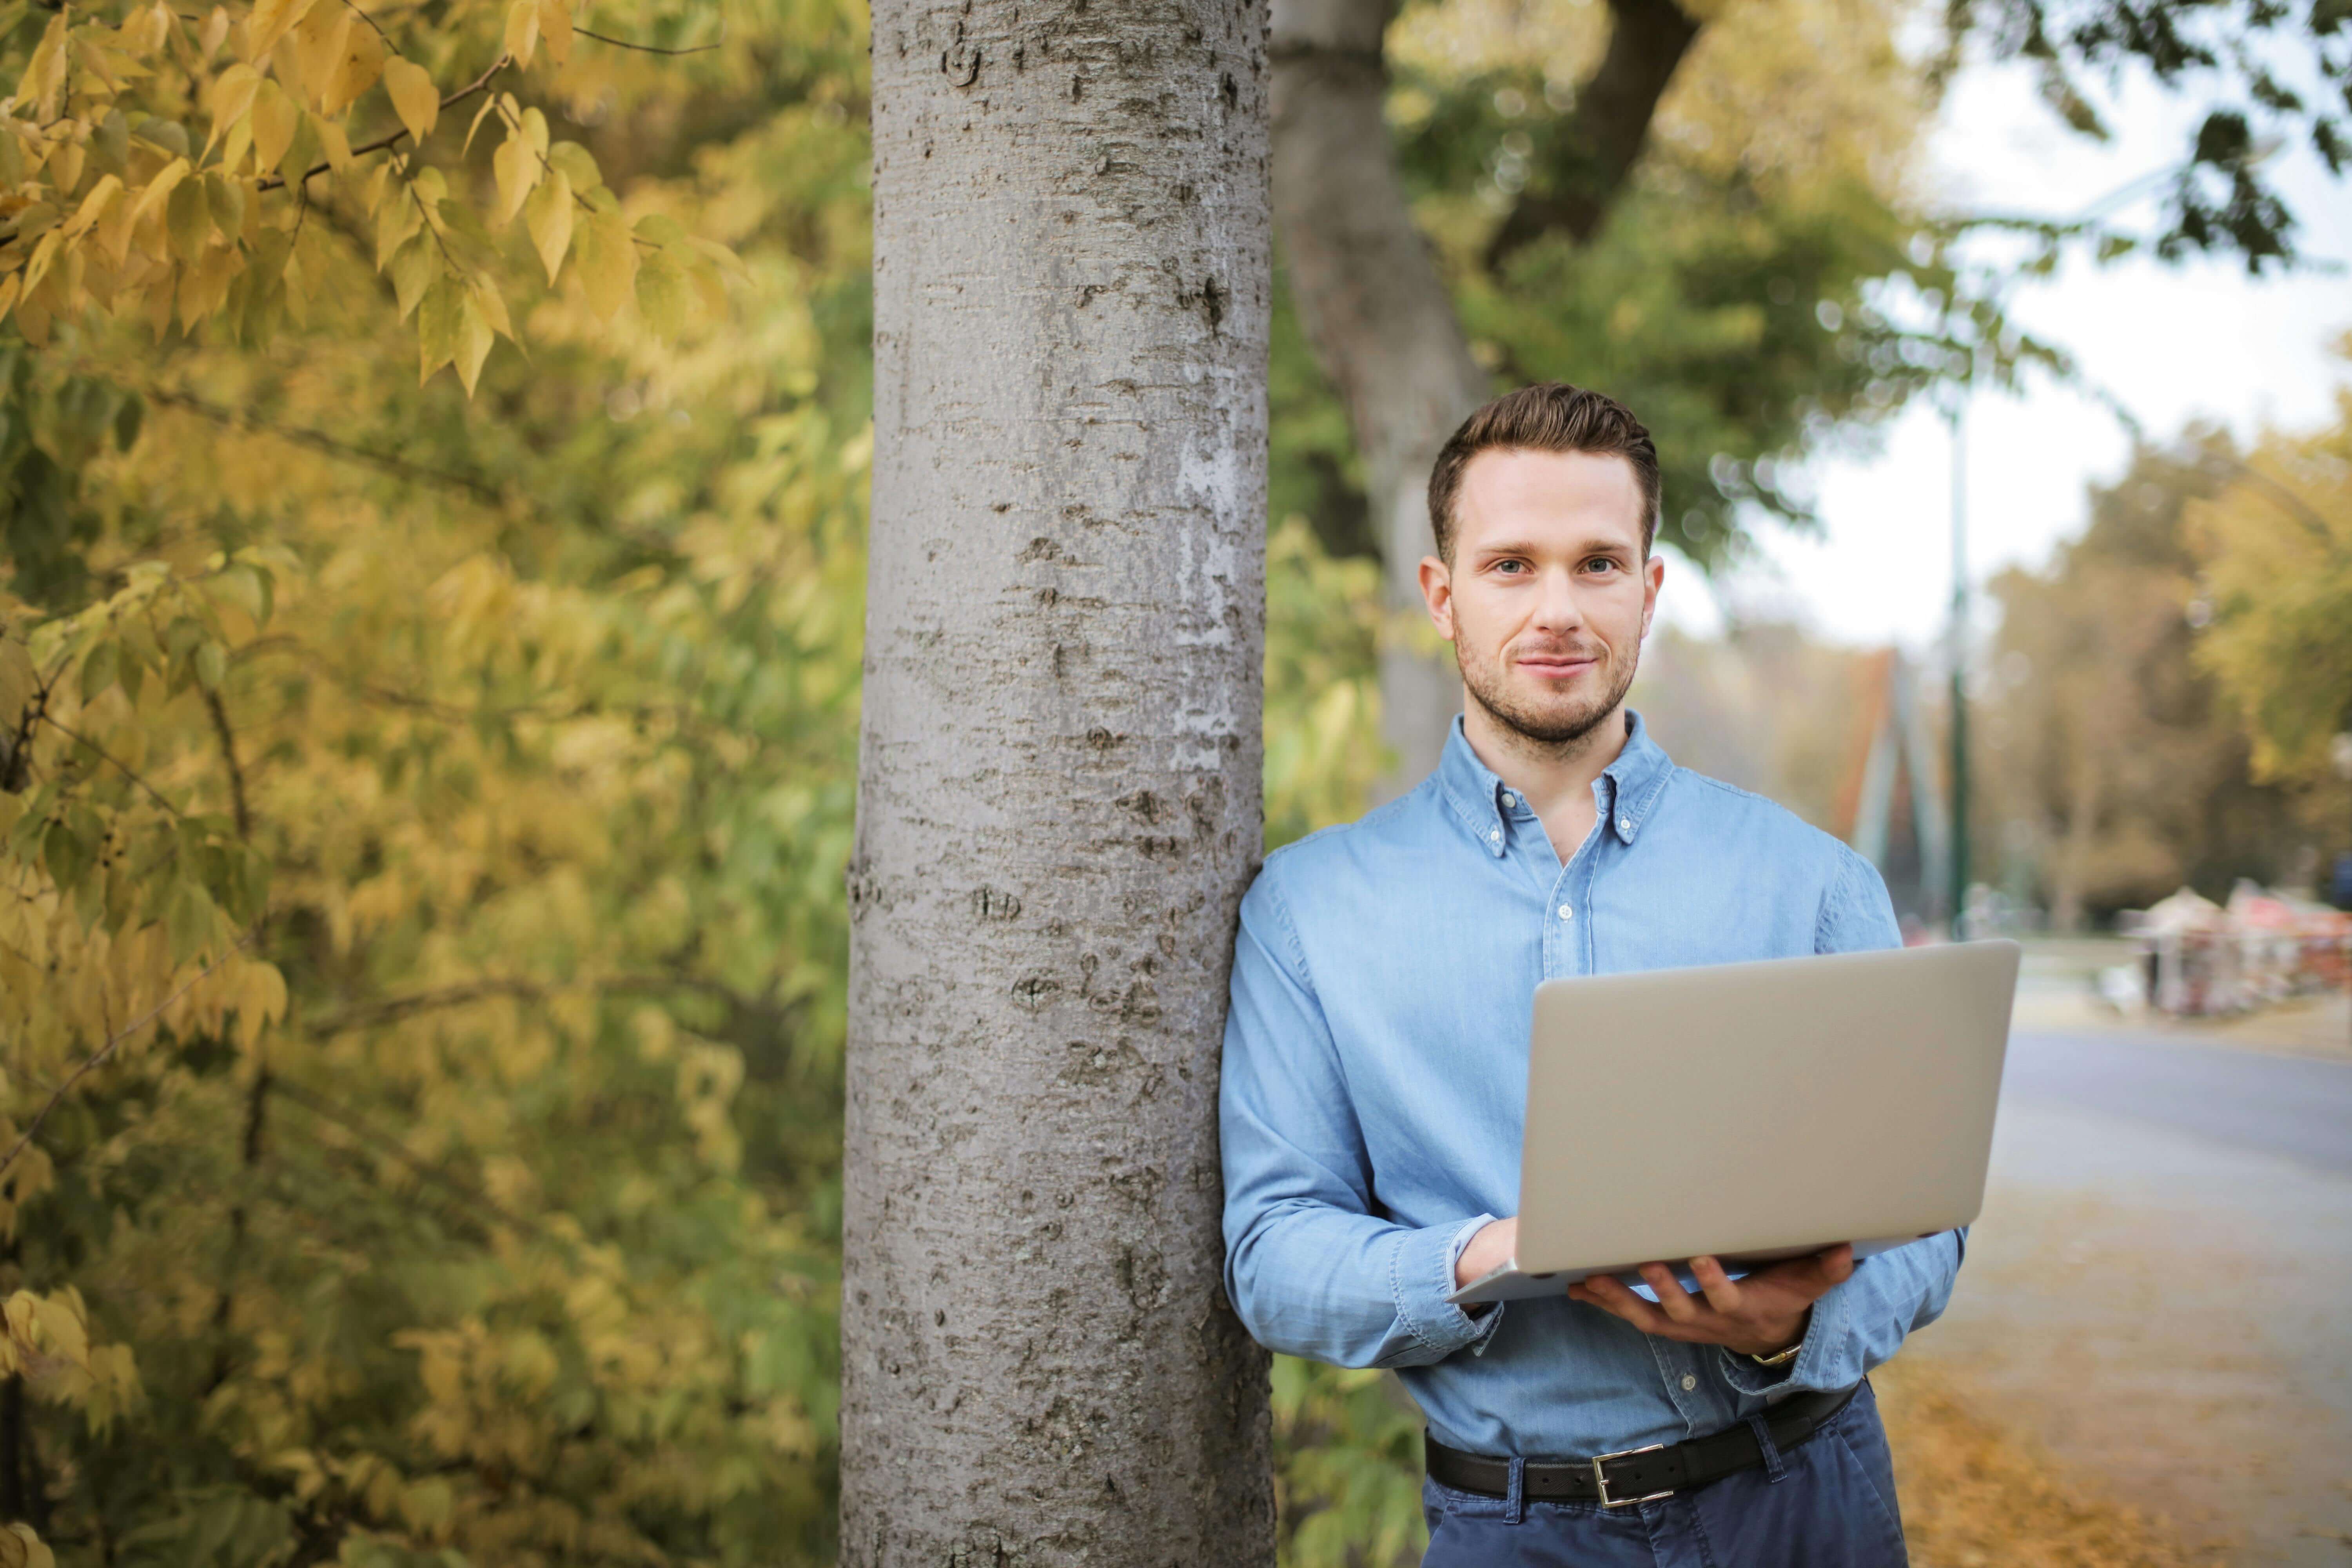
(1375, 1066)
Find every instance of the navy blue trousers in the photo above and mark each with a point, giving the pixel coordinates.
(1827, 1503)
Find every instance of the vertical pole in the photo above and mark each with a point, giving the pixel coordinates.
(1960, 655)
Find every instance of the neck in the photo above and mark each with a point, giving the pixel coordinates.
(1549, 774)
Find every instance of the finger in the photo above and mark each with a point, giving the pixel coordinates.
(1607, 1293)
(1672, 1299)
(1808, 1279)
(1722, 1291)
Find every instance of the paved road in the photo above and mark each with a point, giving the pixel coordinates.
(2295, 1108)
(2160, 1288)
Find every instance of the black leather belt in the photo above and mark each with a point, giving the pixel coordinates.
(1639, 1475)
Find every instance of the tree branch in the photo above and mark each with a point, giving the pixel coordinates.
(650, 49)
(319, 441)
(228, 756)
(120, 765)
(1604, 134)
(274, 182)
(384, 1144)
(97, 1058)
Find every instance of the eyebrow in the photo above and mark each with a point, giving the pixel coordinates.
(1525, 547)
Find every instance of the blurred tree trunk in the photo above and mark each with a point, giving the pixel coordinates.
(1376, 311)
(1058, 787)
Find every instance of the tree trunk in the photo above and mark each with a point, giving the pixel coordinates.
(1378, 317)
(1058, 803)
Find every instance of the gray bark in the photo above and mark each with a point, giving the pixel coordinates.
(1377, 316)
(1375, 310)
(1058, 804)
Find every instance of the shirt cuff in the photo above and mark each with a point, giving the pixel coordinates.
(1818, 1362)
(1420, 1276)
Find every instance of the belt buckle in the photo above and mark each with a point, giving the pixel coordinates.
(1601, 1478)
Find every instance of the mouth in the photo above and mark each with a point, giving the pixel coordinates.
(1557, 665)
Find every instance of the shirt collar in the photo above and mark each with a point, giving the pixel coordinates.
(1634, 782)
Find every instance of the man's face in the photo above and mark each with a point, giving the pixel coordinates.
(1548, 594)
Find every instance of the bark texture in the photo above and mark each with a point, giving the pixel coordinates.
(1377, 316)
(1375, 310)
(1058, 787)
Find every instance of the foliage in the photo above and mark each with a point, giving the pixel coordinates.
(421, 828)
(163, 168)
(2112, 771)
(2275, 546)
(1347, 1483)
(2274, 75)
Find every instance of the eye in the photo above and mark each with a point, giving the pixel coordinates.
(1511, 567)
(1600, 563)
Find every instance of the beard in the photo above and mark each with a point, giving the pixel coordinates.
(1561, 721)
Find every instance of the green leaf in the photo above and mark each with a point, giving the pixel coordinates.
(187, 222)
(661, 294)
(608, 263)
(414, 268)
(576, 165)
(212, 664)
(66, 855)
(436, 325)
(98, 670)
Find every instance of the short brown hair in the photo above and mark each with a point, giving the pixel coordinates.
(1549, 416)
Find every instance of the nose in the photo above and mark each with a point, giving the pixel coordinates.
(1558, 607)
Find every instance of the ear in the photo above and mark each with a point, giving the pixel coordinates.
(1437, 593)
(1653, 573)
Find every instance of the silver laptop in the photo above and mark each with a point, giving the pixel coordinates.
(1755, 1111)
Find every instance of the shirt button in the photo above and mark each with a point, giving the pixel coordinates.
(1567, 912)
(1510, 799)
(1494, 835)
(1689, 1383)
(1626, 826)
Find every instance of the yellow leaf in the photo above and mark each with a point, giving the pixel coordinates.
(93, 205)
(357, 67)
(275, 116)
(474, 341)
(268, 23)
(216, 28)
(522, 30)
(413, 97)
(10, 287)
(416, 266)
(490, 101)
(548, 216)
(45, 76)
(316, 50)
(437, 327)
(335, 143)
(608, 262)
(555, 30)
(232, 95)
(518, 171)
(494, 310)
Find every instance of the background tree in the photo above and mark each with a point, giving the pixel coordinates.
(1702, 209)
(1058, 787)
(422, 825)
(2274, 543)
(2116, 770)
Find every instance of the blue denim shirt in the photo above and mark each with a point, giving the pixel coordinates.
(1375, 1088)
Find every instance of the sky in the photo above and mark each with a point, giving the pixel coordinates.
(2173, 343)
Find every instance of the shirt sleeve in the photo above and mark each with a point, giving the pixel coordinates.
(1310, 1265)
(1856, 915)
(1862, 1320)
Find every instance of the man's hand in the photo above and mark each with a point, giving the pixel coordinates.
(1762, 1314)
(1488, 1250)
